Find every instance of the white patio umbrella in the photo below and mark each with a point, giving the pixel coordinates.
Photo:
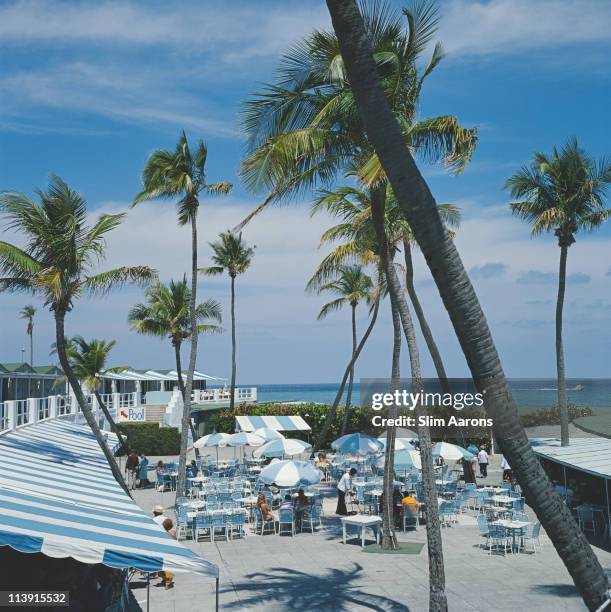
(281, 448)
(404, 459)
(450, 452)
(400, 444)
(268, 434)
(243, 438)
(290, 473)
(211, 440)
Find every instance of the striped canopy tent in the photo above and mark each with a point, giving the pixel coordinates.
(279, 423)
(59, 497)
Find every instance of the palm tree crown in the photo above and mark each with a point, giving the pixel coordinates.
(562, 192)
(231, 254)
(352, 286)
(61, 250)
(179, 174)
(166, 313)
(28, 312)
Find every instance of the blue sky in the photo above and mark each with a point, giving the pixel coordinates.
(88, 90)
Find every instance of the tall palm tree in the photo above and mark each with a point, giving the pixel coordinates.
(166, 315)
(27, 313)
(182, 174)
(564, 193)
(88, 361)
(352, 286)
(57, 263)
(460, 301)
(234, 256)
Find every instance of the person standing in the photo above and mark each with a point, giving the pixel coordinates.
(507, 475)
(482, 458)
(143, 466)
(344, 486)
(131, 469)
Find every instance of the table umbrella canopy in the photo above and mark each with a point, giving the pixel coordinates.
(243, 438)
(404, 460)
(357, 444)
(290, 473)
(400, 444)
(280, 448)
(451, 452)
(213, 439)
(268, 434)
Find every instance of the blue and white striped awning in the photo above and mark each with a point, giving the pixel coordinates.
(59, 497)
(279, 423)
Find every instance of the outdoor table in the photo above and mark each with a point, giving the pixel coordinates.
(195, 505)
(361, 521)
(254, 469)
(199, 479)
(502, 499)
(515, 527)
(496, 490)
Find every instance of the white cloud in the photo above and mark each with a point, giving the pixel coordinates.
(512, 26)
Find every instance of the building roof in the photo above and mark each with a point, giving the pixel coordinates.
(59, 497)
(24, 369)
(590, 455)
(152, 375)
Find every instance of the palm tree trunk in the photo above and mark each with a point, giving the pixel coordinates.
(181, 386)
(31, 345)
(424, 326)
(330, 418)
(233, 346)
(60, 345)
(113, 425)
(461, 303)
(562, 399)
(345, 419)
(437, 596)
(181, 480)
(389, 539)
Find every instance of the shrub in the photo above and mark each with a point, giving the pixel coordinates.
(150, 439)
(551, 415)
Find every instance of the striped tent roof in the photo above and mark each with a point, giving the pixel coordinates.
(59, 497)
(279, 423)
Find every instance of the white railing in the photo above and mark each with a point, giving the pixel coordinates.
(209, 396)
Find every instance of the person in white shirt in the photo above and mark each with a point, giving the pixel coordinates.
(482, 458)
(344, 486)
(158, 515)
(507, 475)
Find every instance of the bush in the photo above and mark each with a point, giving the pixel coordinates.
(150, 439)
(551, 416)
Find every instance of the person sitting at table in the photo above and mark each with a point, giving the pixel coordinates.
(158, 515)
(264, 507)
(192, 469)
(397, 499)
(409, 500)
(143, 466)
(160, 469)
(287, 504)
(301, 504)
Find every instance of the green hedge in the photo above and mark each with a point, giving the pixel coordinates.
(551, 416)
(150, 439)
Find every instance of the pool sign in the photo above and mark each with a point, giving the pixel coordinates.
(133, 413)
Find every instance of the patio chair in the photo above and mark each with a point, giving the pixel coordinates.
(311, 516)
(446, 513)
(410, 514)
(585, 517)
(164, 483)
(184, 526)
(181, 501)
(286, 517)
(532, 536)
(484, 530)
(498, 536)
(517, 505)
(203, 526)
(262, 524)
(220, 523)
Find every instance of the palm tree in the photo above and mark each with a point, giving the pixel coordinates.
(352, 286)
(57, 263)
(460, 301)
(562, 192)
(88, 362)
(166, 314)
(28, 312)
(182, 174)
(231, 255)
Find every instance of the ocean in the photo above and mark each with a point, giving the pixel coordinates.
(531, 392)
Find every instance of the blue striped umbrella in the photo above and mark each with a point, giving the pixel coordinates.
(357, 444)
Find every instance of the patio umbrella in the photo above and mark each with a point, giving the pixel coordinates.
(404, 460)
(211, 440)
(357, 444)
(451, 452)
(290, 473)
(243, 438)
(268, 434)
(280, 448)
(400, 444)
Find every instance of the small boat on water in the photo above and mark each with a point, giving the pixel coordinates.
(578, 388)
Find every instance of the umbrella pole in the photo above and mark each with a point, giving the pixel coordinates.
(217, 595)
(148, 590)
(608, 515)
